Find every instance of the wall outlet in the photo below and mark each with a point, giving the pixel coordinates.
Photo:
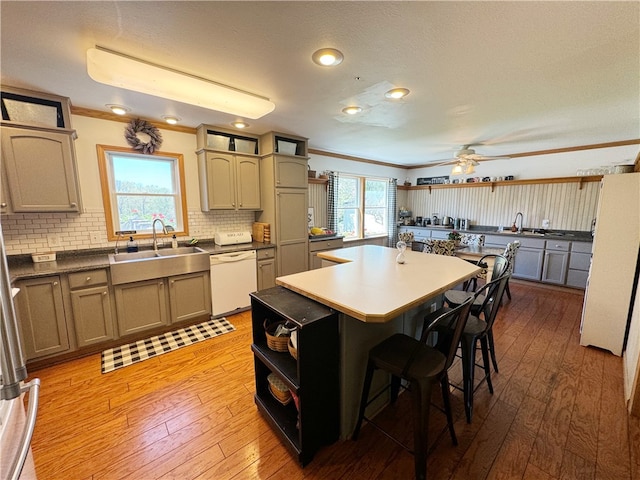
(54, 241)
(94, 238)
(545, 223)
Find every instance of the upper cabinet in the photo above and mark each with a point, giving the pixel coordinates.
(38, 155)
(229, 170)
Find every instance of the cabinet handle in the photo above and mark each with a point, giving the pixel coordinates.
(172, 282)
(88, 279)
(160, 285)
(74, 204)
(55, 283)
(104, 293)
(3, 205)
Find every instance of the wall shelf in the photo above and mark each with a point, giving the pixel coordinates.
(579, 180)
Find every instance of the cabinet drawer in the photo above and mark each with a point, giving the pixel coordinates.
(86, 279)
(579, 261)
(577, 278)
(265, 253)
(581, 247)
(325, 245)
(558, 245)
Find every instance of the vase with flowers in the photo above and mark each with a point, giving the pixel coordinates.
(455, 236)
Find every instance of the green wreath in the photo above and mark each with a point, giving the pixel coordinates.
(142, 126)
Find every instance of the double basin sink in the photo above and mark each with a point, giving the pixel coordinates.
(534, 233)
(150, 264)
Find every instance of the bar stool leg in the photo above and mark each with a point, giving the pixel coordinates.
(484, 347)
(365, 397)
(492, 350)
(395, 389)
(421, 397)
(468, 361)
(446, 401)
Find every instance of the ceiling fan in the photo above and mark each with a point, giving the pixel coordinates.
(467, 159)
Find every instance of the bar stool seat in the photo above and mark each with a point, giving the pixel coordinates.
(412, 360)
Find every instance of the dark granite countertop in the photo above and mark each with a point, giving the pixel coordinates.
(569, 235)
(22, 267)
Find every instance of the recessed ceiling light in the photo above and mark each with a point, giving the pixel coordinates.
(171, 120)
(327, 57)
(352, 110)
(118, 109)
(397, 93)
(240, 124)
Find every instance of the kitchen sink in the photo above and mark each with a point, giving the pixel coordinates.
(149, 264)
(523, 233)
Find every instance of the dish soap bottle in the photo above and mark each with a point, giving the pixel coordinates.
(132, 245)
(174, 242)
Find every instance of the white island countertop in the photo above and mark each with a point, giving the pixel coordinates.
(369, 285)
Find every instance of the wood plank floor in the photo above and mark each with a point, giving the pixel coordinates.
(557, 412)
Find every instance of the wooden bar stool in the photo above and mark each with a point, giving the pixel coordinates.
(407, 358)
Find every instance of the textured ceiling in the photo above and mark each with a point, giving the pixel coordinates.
(510, 76)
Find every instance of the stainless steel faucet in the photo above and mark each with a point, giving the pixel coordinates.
(155, 239)
(521, 220)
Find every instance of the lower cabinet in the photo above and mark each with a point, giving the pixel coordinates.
(322, 246)
(91, 307)
(266, 268)
(189, 296)
(42, 317)
(313, 377)
(141, 306)
(579, 262)
(556, 261)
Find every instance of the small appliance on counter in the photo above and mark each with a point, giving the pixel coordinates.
(232, 238)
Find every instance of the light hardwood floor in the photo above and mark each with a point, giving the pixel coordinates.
(557, 413)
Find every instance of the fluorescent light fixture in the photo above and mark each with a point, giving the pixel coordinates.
(120, 70)
(117, 109)
(352, 110)
(240, 124)
(327, 57)
(170, 119)
(397, 93)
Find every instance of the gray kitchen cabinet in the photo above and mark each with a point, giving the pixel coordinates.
(228, 181)
(40, 169)
(529, 259)
(419, 234)
(190, 296)
(556, 261)
(5, 204)
(579, 262)
(266, 268)
(141, 306)
(42, 317)
(316, 246)
(91, 307)
(284, 182)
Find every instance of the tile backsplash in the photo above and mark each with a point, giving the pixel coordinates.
(26, 233)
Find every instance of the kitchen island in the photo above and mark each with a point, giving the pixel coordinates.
(376, 297)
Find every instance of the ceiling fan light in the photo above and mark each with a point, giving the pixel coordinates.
(327, 57)
(457, 169)
(352, 110)
(397, 93)
(470, 169)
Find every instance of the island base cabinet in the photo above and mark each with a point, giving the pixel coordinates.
(313, 376)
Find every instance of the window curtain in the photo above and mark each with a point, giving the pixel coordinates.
(332, 200)
(392, 226)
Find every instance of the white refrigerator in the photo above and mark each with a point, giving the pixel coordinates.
(612, 282)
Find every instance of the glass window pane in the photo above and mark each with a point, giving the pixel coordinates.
(375, 221)
(349, 222)
(137, 212)
(141, 175)
(348, 192)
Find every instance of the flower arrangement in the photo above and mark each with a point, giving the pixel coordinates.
(454, 236)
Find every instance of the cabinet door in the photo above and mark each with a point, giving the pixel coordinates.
(248, 183)
(190, 296)
(92, 315)
(42, 319)
(555, 267)
(41, 170)
(291, 172)
(293, 258)
(292, 231)
(528, 263)
(5, 205)
(266, 273)
(221, 181)
(141, 306)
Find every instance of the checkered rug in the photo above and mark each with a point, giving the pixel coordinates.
(125, 355)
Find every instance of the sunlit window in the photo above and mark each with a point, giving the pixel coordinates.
(362, 207)
(138, 189)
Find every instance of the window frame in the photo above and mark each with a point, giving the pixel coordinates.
(361, 206)
(108, 195)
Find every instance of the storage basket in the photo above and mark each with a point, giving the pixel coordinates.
(279, 389)
(292, 350)
(277, 344)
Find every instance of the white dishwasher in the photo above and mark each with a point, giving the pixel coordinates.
(233, 278)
